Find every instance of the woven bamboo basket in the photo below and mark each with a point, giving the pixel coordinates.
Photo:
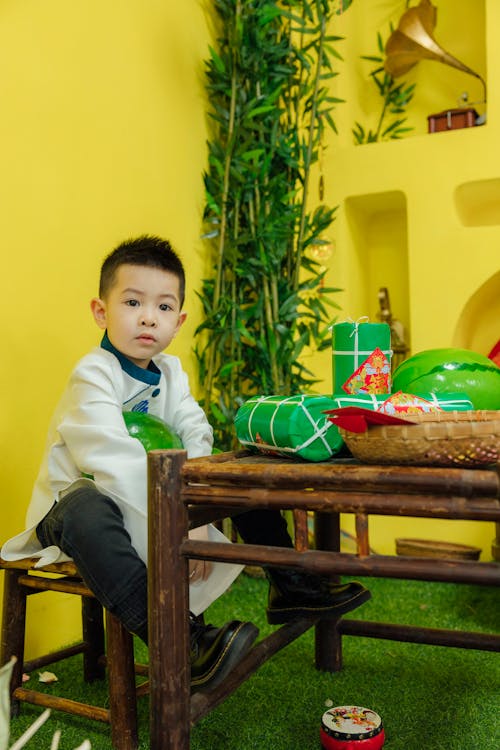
(434, 548)
(468, 438)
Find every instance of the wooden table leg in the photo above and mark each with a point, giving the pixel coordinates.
(168, 603)
(300, 530)
(328, 639)
(495, 546)
(362, 538)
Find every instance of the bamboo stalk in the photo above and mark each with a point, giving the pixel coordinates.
(225, 193)
(308, 160)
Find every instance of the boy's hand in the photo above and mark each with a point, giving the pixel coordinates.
(199, 570)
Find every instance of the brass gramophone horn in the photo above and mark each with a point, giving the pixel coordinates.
(412, 41)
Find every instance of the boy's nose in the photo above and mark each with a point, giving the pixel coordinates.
(148, 320)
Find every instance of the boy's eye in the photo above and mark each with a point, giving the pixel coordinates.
(164, 307)
(132, 302)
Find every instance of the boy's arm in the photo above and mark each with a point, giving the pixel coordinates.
(184, 413)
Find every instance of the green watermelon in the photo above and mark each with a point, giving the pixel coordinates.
(151, 431)
(451, 371)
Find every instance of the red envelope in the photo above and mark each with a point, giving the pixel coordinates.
(357, 419)
(372, 376)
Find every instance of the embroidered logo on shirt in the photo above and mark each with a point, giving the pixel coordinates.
(141, 406)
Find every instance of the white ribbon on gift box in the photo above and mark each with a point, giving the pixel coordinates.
(356, 323)
(355, 333)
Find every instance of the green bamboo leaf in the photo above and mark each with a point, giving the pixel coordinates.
(217, 412)
(342, 6)
(392, 126)
(217, 60)
(258, 111)
(229, 367)
(252, 154)
(269, 14)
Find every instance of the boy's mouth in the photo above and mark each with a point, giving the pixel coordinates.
(146, 337)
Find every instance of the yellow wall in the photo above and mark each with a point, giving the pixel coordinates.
(103, 136)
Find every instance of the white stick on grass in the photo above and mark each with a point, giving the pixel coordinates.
(28, 734)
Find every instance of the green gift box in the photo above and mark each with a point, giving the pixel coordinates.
(291, 426)
(352, 344)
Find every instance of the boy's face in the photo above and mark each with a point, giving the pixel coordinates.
(141, 312)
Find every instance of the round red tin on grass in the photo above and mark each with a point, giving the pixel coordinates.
(351, 728)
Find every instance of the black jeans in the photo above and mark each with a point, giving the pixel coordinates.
(88, 527)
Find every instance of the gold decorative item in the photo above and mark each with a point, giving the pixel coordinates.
(320, 251)
(399, 345)
(413, 41)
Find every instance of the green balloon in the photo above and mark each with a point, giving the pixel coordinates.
(151, 431)
(451, 371)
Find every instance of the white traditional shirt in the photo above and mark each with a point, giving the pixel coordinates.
(88, 436)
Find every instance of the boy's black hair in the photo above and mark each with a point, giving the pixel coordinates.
(146, 250)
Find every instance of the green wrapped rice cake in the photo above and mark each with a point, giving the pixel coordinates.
(292, 426)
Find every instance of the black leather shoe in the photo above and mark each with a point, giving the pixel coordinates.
(293, 594)
(216, 651)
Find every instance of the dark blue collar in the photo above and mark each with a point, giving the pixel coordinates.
(150, 376)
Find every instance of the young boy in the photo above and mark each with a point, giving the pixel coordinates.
(89, 501)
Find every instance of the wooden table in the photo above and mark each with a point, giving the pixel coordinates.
(183, 493)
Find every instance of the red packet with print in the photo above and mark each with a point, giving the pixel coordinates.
(358, 419)
(372, 376)
(494, 355)
(407, 403)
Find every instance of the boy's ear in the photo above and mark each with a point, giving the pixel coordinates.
(180, 321)
(98, 308)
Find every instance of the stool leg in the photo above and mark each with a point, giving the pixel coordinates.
(121, 677)
(13, 629)
(93, 637)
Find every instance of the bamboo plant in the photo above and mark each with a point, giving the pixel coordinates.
(395, 99)
(265, 301)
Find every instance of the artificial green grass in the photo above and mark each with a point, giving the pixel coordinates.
(429, 697)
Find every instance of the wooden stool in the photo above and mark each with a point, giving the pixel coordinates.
(20, 581)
